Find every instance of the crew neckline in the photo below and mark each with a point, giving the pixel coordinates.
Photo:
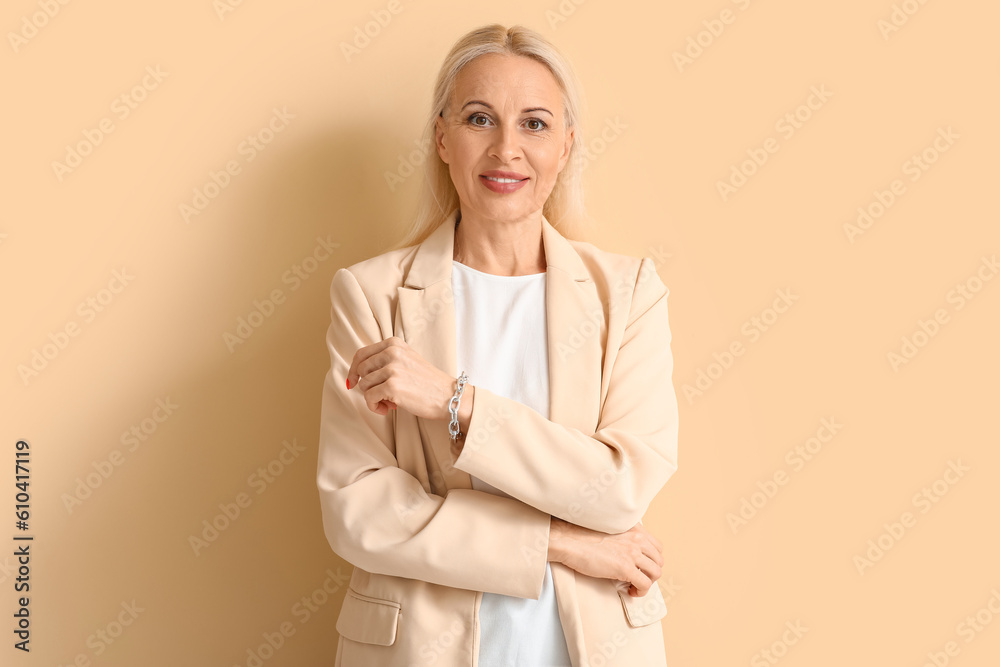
(455, 262)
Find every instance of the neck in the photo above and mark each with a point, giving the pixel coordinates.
(500, 247)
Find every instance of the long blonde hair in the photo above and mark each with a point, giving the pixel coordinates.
(564, 207)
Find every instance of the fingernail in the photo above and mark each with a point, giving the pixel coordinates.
(348, 383)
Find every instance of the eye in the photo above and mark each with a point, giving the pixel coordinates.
(534, 124)
(475, 117)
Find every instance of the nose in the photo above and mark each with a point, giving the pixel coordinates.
(505, 145)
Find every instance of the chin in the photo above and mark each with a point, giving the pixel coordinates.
(508, 211)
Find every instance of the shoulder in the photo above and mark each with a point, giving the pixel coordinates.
(630, 280)
(380, 274)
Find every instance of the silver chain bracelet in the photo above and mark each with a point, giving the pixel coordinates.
(453, 407)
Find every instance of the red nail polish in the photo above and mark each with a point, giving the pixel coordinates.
(348, 383)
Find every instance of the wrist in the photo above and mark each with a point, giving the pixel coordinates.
(448, 392)
(556, 553)
(464, 412)
(465, 407)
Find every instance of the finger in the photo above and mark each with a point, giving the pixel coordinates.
(372, 385)
(649, 567)
(636, 593)
(352, 371)
(647, 544)
(650, 537)
(659, 545)
(651, 550)
(362, 355)
(640, 580)
(383, 407)
(376, 366)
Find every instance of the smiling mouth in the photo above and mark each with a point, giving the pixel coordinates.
(504, 180)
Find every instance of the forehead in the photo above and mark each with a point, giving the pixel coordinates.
(506, 76)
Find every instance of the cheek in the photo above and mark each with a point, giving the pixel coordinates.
(464, 157)
(548, 164)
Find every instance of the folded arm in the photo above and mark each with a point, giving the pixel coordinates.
(378, 517)
(604, 480)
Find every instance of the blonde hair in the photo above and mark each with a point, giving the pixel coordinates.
(564, 208)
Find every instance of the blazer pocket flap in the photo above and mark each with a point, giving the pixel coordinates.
(368, 620)
(644, 610)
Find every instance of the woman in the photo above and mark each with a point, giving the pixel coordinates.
(493, 514)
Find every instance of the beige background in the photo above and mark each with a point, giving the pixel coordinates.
(652, 190)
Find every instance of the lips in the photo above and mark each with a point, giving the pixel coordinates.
(503, 182)
(499, 176)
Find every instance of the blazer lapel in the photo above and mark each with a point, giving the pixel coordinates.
(425, 319)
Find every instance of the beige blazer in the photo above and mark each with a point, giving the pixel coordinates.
(399, 507)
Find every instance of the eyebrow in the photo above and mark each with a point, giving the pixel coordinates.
(522, 110)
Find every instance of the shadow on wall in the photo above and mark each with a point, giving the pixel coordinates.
(223, 502)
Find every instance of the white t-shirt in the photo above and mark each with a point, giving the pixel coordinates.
(502, 346)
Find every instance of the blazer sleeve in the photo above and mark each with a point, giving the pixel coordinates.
(378, 517)
(604, 480)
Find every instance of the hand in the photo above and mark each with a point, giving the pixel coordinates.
(633, 557)
(393, 375)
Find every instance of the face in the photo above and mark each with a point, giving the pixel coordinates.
(504, 120)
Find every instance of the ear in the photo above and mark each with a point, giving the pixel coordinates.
(442, 150)
(567, 147)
